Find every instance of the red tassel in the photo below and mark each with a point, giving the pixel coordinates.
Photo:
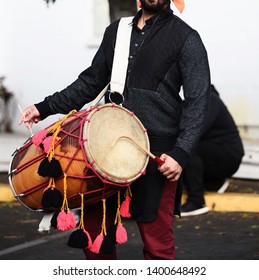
(95, 248)
(124, 209)
(66, 221)
(121, 234)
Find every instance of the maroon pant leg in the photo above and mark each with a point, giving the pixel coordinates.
(158, 235)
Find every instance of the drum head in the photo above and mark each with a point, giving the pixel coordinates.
(116, 158)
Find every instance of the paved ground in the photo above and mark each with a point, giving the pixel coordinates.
(212, 236)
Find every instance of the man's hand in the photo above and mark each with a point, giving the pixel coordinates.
(171, 168)
(29, 116)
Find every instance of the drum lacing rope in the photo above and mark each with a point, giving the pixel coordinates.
(55, 129)
(32, 189)
(65, 202)
(60, 121)
(103, 231)
(27, 164)
(81, 222)
(50, 166)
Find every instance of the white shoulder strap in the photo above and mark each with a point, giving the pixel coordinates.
(120, 60)
(121, 55)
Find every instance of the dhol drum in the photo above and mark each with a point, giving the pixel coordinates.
(95, 152)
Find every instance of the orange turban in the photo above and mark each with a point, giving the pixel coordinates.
(179, 4)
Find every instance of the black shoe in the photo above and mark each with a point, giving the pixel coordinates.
(191, 209)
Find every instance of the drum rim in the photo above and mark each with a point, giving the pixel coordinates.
(94, 165)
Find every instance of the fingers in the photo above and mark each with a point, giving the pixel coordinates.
(172, 175)
(20, 120)
(171, 168)
(29, 116)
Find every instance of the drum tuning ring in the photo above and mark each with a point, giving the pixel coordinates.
(15, 152)
(26, 141)
(11, 172)
(116, 97)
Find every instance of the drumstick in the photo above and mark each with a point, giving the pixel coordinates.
(155, 158)
(20, 108)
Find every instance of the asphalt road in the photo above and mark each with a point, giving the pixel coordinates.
(212, 236)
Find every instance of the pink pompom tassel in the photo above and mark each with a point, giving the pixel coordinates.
(47, 143)
(121, 234)
(66, 221)
(124, 209)
(95, 248)
(38, 138)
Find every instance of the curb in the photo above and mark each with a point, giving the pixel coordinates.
(6, 194)
(231, 202)
(220, 202)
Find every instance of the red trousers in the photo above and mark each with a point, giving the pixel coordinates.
(157, 236)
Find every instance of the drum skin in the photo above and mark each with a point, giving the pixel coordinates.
(93, 154)
(116, 158)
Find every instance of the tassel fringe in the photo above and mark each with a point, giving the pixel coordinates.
(66, 220)
(100, 238)
(121, 233)
(125, 206)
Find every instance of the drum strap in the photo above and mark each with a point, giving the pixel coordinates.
(121, 55)
(120, 60)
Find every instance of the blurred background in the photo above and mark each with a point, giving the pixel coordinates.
(44, 46)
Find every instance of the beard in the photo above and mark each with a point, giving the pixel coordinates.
(152, 6)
